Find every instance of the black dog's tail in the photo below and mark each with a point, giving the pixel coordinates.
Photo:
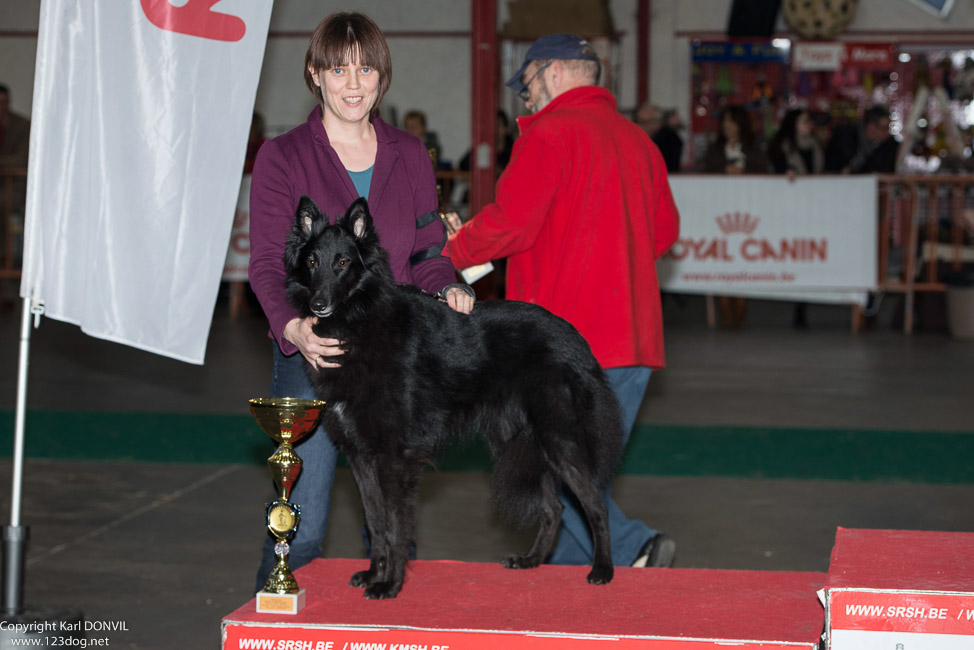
(545, 441)
(516, 482)
(608, 446)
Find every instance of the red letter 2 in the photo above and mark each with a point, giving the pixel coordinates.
(194, 19)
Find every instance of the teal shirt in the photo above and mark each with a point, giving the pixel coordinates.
(362, 181)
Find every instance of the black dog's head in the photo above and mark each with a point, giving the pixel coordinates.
(327, 265)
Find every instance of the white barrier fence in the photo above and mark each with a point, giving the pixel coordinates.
(812, 239)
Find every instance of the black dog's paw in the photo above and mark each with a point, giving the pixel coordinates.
(382, 590)
(600, 575)
(520, 562)
(361, 579)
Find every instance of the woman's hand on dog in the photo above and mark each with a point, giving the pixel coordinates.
(313, 348)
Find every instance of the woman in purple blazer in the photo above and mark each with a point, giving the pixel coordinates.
(342, 152)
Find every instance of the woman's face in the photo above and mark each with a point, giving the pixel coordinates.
(349, 92)
(804, 125)
(732, 132)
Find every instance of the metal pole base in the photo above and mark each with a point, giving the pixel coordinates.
(14, 547)
(41, 627)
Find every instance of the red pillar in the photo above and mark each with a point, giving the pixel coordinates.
(642, 52)
(484, 62)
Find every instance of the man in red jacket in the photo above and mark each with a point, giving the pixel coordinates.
(582, 212)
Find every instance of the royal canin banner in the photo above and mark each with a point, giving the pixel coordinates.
(140, 119)
(813, 238)
(814, 55)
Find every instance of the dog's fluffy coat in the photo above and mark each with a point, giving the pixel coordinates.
(416, 374)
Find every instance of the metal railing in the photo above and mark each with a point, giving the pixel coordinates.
(923, 221)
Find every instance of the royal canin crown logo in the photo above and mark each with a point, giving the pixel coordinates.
(737, 222)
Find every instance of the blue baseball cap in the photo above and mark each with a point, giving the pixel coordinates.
(553, 46)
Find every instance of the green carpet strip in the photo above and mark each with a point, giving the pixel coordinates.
(748, 452)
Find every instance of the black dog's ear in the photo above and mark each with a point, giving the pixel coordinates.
(307, 214)
(358, 218)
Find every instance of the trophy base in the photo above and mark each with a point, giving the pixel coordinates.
(270, 603)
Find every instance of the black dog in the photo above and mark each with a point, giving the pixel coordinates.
(417, 374)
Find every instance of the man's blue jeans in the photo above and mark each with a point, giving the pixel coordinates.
(574, 545)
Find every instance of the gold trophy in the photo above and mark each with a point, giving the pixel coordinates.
(287, 420)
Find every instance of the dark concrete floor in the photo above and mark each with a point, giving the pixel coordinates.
(171, 548)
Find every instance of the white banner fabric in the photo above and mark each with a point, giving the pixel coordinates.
(813, 238)
(139, 129)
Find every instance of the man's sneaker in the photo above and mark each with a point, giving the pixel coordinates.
(659, 551)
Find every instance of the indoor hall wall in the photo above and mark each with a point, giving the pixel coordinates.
(430, 44)
(429, 41)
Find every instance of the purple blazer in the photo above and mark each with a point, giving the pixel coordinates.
(402, 200)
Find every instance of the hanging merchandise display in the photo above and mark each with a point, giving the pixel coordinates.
(752, 74)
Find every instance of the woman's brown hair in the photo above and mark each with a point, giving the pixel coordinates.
(336, 41)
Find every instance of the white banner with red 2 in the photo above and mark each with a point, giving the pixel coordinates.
(813, 238)
(139, 131)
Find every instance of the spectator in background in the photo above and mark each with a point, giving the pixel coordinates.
(795, 150)
(254, 140)
(669, 140)
(14, 142)
(662, 127)
(867, 149)
(503, 144)
(414, 123)
(504, 140)
(649, 117)
(734, 151)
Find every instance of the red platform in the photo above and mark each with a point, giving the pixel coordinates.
(892, 588)
(467, 606)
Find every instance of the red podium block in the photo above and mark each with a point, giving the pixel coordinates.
(472, 606)
(900, 590)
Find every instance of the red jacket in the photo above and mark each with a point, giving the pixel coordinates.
(583, 211)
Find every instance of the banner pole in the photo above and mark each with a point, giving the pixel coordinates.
(28, 625)
(15, 535)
